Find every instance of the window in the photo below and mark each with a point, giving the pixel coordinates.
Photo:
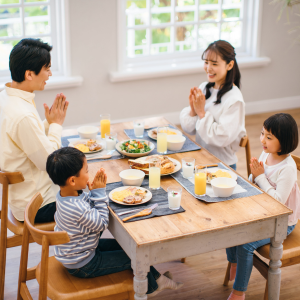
(173, 32)
(44, 19)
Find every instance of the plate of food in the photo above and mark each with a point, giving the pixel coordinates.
(217, 173)
(135, 148)
(87, 146)
(130, 195)
(168, 165)
(152, 133)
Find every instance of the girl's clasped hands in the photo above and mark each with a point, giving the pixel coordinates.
(257, 168)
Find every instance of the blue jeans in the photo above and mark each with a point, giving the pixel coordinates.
(111, 258)
(233, 167)
(243, 256)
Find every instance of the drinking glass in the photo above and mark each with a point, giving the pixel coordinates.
(110, 139)
(162, 140)
(188, 166)
(174, 197)
(104, 124)
(200, 180)
(154, 175)
(138, 129)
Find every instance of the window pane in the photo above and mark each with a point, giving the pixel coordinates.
(5, 49)
(134, 4)
(226, 2)
(160, 18)
(185, 38)
(208, 33)
(160, 3)
(9, 1)
(208, 15)
(208, 1)
(10, 22)
(36, 20)
(136, 42)
(161, 40)
(185, 2)
(137, 19)
(232, 33)
(36, 0)
(231, 13)
(185, 16)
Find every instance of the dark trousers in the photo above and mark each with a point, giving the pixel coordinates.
(46, 213)
(111, 258)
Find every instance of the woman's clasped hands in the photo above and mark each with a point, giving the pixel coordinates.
(197, 102)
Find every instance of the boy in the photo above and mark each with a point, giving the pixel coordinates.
(26, 141)
(84, 217)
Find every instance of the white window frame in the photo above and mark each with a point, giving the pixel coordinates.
(169, 64)
(60, 54)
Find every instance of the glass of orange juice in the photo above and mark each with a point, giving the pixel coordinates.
(200, 180)
(104, 124)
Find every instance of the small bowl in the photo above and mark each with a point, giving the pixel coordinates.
(125, 174)
(221, 191)
(88, 132)
(175, 142)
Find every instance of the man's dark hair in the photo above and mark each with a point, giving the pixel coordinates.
(285, 129)
(64, 163)
(28, 54)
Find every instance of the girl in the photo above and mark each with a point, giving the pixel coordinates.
(276, 174)
(217, 110)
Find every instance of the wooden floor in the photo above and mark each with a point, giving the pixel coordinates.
(202, 274)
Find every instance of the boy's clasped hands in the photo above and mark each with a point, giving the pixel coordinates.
(257, 168)
(197, 102)
(99, 181)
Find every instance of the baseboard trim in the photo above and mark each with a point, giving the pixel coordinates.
(254, 107)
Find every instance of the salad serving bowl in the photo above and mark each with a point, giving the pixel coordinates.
(135, 147)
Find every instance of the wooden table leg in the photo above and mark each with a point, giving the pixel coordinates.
(274, 273)
(140, 285)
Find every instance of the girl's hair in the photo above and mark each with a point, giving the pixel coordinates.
(227, 53)
(285, 129)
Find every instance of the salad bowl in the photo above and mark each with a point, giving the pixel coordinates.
(135, 147)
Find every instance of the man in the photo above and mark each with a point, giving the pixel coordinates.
(26, 140)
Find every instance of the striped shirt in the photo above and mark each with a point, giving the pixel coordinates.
(84, 218)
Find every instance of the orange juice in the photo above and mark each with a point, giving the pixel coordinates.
(104, 127)
(200, 183)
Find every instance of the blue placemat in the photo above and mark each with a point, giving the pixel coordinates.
(158, 196)
(189, 145)
(65, 143)
(189, 186)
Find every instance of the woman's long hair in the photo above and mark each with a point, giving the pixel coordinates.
(227, 53)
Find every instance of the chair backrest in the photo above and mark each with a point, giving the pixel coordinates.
(44, 238)
(245, 143)
(297, 161)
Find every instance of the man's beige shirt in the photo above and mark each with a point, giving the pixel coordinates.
(25, 143)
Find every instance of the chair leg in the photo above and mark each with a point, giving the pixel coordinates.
(183, 260)
(266, 291)
(2, 269)
(227, 275)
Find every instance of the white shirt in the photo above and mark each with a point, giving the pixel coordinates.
(25, 144)
(223, 126)
(284, 175)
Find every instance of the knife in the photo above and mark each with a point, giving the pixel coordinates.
(138, 209)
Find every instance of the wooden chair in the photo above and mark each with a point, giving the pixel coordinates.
(245, 143)
(290, 256)
(8, 221)
(53, 278)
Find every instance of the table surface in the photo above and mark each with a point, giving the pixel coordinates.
(199, 217)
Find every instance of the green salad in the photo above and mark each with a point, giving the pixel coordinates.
(134, 146)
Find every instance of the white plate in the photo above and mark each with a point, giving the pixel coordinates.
(213, 170)
(151, 145)
(83, 141)
(149, 132)
(146, 199)
(175, 161)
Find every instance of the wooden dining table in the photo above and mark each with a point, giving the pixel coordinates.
(203, 227)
